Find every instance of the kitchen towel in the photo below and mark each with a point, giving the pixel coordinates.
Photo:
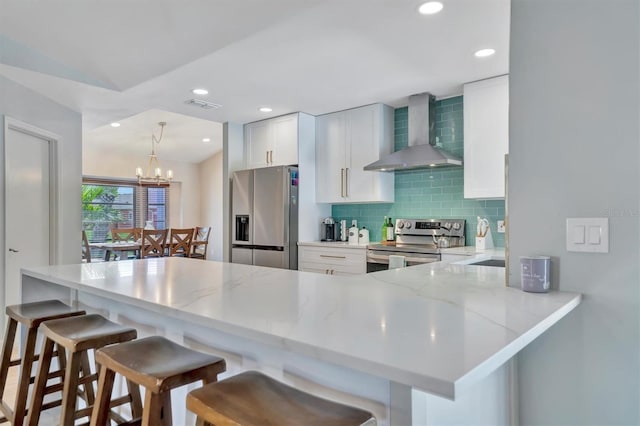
(396, 261)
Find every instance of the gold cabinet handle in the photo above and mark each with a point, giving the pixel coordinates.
(267, 153)
(342, 183)
(346, 182)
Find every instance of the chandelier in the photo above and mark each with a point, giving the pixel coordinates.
(153, 174)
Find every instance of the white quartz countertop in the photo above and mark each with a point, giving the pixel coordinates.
(437, 327)
(341, 244)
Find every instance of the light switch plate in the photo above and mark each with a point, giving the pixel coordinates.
(501, 228)
(588, 234)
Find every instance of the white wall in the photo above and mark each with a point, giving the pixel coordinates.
(574, 152)
(212, 203)
(184, 201)
(232, 160)
(22, 104)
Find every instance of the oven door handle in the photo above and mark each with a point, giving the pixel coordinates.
(384, 259)
(378, 258)
(421, 260)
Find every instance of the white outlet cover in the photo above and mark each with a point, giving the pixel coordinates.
(588, 234)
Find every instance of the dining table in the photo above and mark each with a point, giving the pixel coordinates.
(117, 247)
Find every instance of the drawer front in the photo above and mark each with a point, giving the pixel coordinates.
(331, 269)
(333, 256)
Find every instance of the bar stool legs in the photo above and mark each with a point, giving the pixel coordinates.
(30, 315)
(78, 336)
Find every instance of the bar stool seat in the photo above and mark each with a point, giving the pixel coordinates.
(157, 364)
(30, 315)
(252, 398)
(78, 335)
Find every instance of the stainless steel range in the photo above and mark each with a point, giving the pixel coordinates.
(418, 240)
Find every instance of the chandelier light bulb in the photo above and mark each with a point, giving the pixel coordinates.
(139, 172)
(169, 174)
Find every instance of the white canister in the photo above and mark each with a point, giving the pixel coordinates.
(363, 236)
(353, 235)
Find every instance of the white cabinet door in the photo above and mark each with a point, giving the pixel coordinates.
(331, 143)
(486, 137)
(346, 141)
(361, 185)
(271, 142)
(284, 150)
(332, 260)
(257, 139)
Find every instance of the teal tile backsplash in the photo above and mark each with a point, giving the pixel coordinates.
(425, 194)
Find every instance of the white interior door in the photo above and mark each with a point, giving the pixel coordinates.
(27, 207)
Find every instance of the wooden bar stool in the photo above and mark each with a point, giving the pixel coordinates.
(157, 364)
(254, 399)
(78, 335)
(30, 315)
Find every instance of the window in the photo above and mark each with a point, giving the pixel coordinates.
(121, 204)
(157, 206)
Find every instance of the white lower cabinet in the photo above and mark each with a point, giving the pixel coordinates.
(332, 260)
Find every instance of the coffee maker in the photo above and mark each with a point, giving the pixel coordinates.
(328, 230)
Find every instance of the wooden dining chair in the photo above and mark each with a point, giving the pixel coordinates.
(153, 243)
(86, 250)
(180, 242)
(200, 242)
(124, 234)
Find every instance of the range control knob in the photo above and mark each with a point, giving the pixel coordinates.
(456, 226)
(407, 224)
(400, 224)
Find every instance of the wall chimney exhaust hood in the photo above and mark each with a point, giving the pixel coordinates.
(420, 154)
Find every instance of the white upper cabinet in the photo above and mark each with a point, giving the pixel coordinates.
(486, 137)
(272, 142)
(346, 141)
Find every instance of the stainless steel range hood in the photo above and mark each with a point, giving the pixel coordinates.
(420, 154)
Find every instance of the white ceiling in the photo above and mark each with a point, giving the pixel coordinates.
(115, 60)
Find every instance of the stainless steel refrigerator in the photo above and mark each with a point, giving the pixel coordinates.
(264, 216)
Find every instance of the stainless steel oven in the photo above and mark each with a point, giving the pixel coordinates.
(416, 241)
(378, 258)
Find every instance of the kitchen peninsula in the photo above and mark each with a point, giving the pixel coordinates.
(387, 341)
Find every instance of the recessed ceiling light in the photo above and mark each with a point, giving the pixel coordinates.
(430, 7)
(200, 91)
(265, 109)
(114, 124)
(483, 53)
(206, 140)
